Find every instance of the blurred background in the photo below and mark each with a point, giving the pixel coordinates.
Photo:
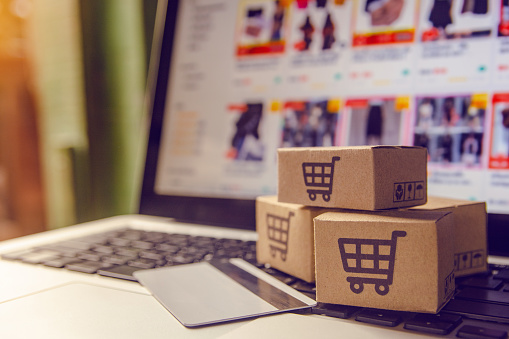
(72, 110)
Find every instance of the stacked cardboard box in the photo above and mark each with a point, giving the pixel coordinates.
(346, 218)
(362, 178)
(470, 227)
(285, 236)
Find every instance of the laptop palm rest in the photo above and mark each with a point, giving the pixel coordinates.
(212, 292)
(82, 310)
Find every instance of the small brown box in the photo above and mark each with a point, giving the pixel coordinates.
(362, 177)
(285, 236)
(395, 260)
(470, 242)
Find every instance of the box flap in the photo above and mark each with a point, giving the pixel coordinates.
(328, 148)
(395, 147)
(394, 216)
(435, 203)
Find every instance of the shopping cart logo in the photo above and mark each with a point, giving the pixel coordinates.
(278, 231)
(319, 176)
(408, 191)
(370, 260)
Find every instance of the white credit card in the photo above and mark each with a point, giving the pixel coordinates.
(208, 293)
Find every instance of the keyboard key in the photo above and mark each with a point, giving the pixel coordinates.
(165, 247)
(142, 263)
(197, 252)
(482, 282)
(120, 272)
(497, 267)
(89, 255)
(180, 240)
(60, 262)
(249, 257)
(96, 239)
(144, 245)
(202, 241)
(336, 311)
(127, 251)
(131, 234)
(250, 245)
(469, 331)
(77, 244)
(222, 253)
(445, 317)
(229, 253)
(103, 249)
(498, 297)
(230, 243)
(39, 256)
(120, 242)
(379, 317)
(478, 310)
(441, 324)
(29, 256)
(116, 259)
(62, 250)
(502, 275)
(154, 255)
(180, 259)
(87, 266)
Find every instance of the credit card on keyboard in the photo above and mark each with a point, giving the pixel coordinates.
(207, 293)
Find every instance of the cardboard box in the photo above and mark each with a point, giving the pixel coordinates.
(286, 237)
(362, 177)
(395, 260)
(470, 232)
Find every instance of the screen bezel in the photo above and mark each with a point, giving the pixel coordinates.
(231, 213)
(212, 211)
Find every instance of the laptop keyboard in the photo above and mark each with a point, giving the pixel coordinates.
(483, 298)
(119, 253)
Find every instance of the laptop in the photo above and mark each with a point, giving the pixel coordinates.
(233, 81)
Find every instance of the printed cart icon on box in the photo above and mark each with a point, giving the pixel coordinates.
(278, 230)
(319, 176)
(372, 261)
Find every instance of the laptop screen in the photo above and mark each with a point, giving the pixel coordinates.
(239, 78)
